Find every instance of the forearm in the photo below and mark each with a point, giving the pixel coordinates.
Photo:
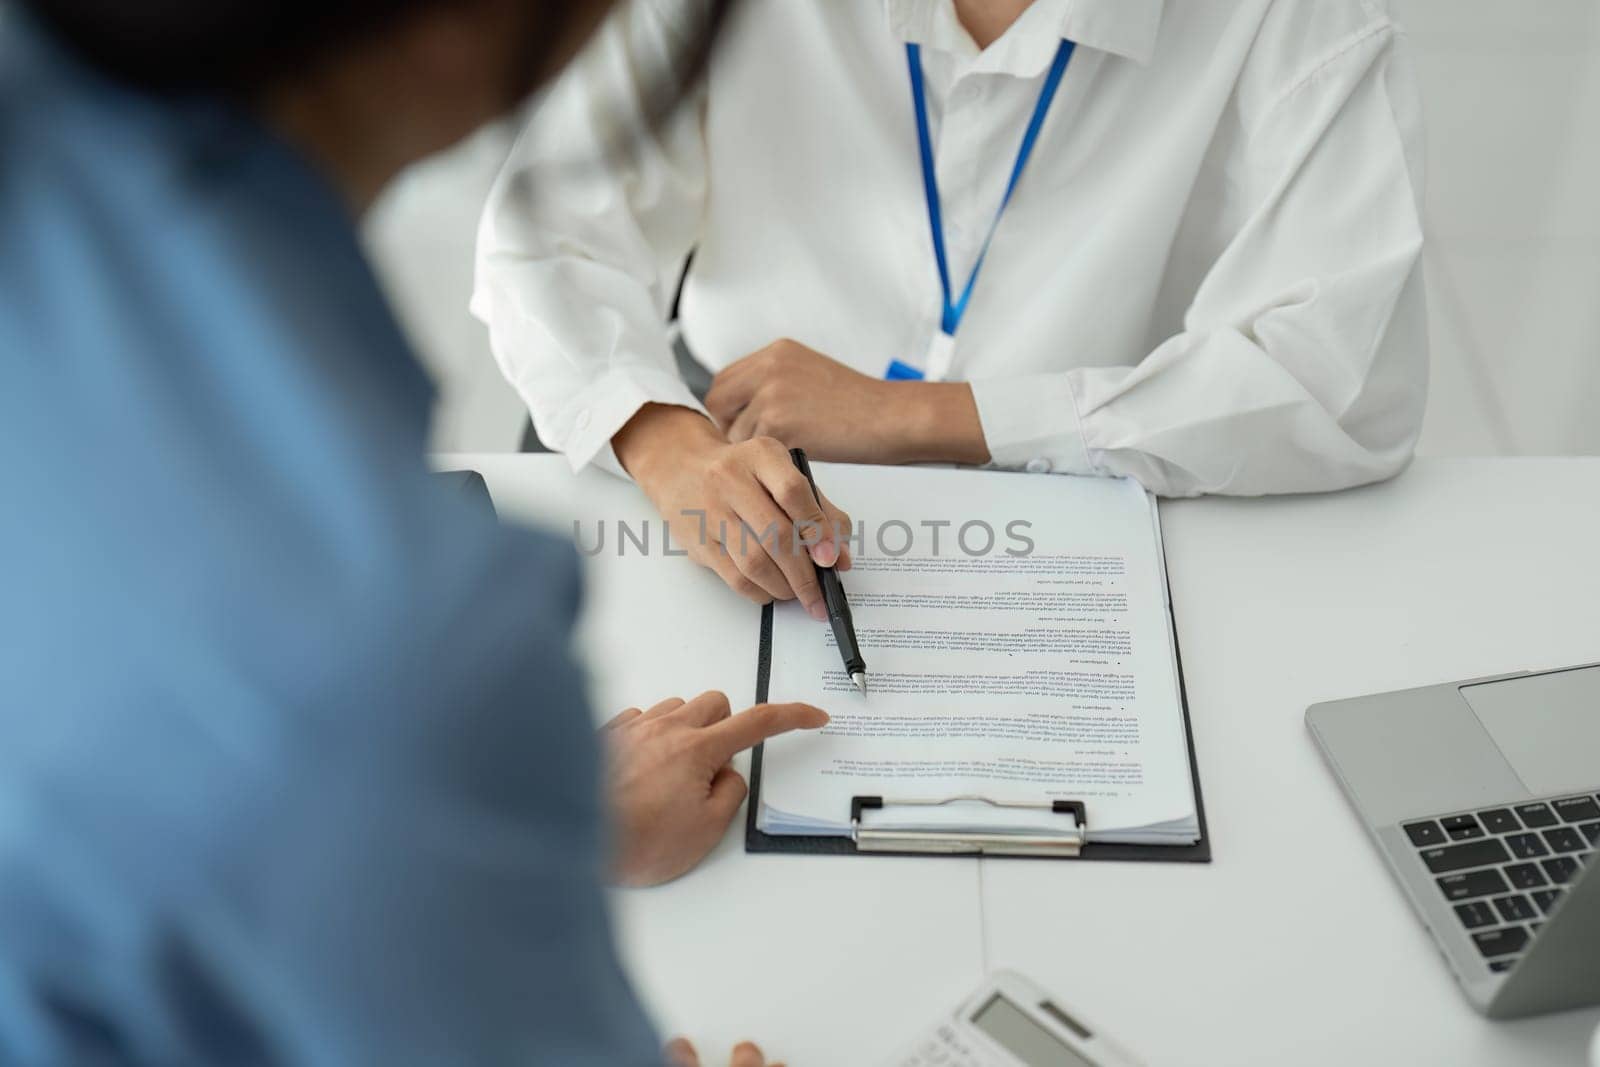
(660, 436)
(932, 422)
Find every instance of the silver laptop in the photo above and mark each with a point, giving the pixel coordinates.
(1484, 798)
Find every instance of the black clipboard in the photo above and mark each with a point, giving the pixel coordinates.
(757, 841)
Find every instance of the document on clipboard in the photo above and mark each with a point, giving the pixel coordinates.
(1025, 689)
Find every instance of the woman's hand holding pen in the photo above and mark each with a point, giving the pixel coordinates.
(806, 400)
(735, 507)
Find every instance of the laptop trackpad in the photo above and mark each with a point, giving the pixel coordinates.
(1547, 726)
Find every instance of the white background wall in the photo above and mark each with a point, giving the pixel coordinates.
(1511, 91)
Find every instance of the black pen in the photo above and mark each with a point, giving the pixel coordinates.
(844, 627)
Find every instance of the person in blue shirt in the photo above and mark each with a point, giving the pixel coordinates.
(294, 764)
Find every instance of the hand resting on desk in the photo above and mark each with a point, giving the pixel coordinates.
(682, 1054)
(808, 400)
(672, 789)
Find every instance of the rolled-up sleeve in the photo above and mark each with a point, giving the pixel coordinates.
(1302, 363)
(581, 246)
(1030, 422)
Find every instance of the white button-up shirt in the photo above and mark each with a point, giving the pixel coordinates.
(1208, 277)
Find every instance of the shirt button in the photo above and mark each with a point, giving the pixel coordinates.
(582, 421)
(1039, 465)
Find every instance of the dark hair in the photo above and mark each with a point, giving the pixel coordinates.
(239, 45)
(184, 45)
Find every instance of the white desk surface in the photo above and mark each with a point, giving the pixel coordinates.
(1292, 947)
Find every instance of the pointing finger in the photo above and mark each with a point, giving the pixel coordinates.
(749, 728)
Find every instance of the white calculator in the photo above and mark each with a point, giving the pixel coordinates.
(1010, 1022)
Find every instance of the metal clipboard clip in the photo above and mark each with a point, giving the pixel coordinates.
(999, 841)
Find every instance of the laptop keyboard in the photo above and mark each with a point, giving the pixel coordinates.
(1505, 868)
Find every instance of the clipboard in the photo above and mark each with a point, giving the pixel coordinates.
(1071, 844)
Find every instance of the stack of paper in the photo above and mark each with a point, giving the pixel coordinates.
(1019, 648)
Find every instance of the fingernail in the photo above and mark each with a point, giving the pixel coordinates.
(825, 553)
(818, 610)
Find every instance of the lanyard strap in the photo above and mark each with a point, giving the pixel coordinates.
(955, 309)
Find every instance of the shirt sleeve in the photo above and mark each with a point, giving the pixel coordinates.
(372, 836)
(426, 886)
(1302, 364)
(581, 244)
(415, 875)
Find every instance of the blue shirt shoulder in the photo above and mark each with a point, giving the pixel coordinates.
(294, 762)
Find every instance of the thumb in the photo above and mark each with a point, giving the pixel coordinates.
(728, 790)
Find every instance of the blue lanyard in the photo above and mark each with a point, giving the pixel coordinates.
(954, 309)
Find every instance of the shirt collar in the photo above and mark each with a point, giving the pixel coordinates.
(1123, 27)
(241, 173)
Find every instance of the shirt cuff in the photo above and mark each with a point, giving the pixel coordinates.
(595, 415)
(1031, 423)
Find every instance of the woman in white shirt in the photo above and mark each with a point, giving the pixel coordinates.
(1208, 276)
